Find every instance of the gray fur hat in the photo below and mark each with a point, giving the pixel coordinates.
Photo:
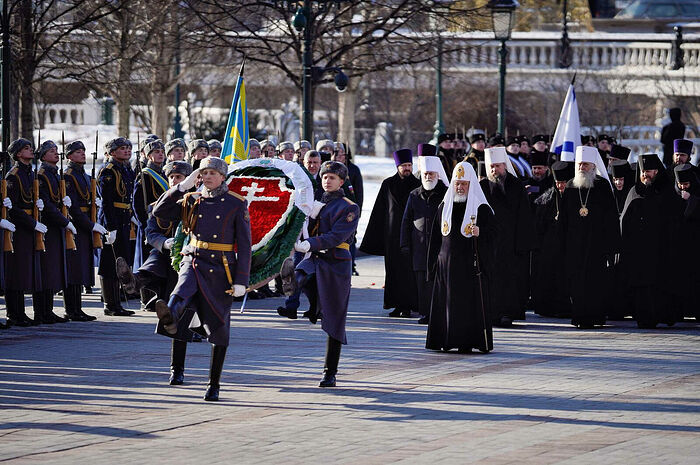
(154, 145)
(172, 143)
(180, 167)
(302, 144)
(45, 147)
(197, 143)
(214, 163)
(17, 145)
(253, 142)
(73, 146)
(214, 144)
(286, 145)
(114, 144)
(149, 138)
(334, 167)
(323, 143)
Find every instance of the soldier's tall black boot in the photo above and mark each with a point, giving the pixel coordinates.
(73, 301)
(331, 367)
(218, 354)
(16, 316)
(38, 307)
(110, 297)
(177, 362)
(48, 309)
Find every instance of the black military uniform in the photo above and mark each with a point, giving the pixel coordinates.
(21, 266)
(116, 183)
(79, 262)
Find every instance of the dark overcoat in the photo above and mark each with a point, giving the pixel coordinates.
(79, 262)
(206, 274)
(330, 263)
(53, 259)
(154, 183)
(383, 235)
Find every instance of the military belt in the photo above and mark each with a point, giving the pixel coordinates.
(28, 211)
(212, 246)
(123, 206)
(84, 209)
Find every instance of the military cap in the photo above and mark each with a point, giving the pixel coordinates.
(538, 158)
(45, 147)
(497, 139)
(563, 170)
(512, 140)
(478, 136)
(605, 137)
(619, 152)
(323, 143)
(683, 146)
(214, 163)
(172, 143)
(444, 137)
(114, 144)
(214, 144)
(196, 144)
(539, 138)
(426, 150)
(265, 142)
(179, 167)
(586, 139)
(334, 167)
(685, 172)
(650, 161)
(302, 144)
(73, 146)
(149, 138)
(523, 139)
(253, 143)
(285, 145)
(17, 145)
(338, 145)
(154, 145)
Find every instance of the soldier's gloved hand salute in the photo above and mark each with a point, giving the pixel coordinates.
(189, 181)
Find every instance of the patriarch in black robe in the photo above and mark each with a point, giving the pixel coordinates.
(550, 296)
(383, 235)
(646, 223)
(590, 235)
(506, 196)
(463, 231)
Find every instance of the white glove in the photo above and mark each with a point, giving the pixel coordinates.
(238, 290)
(98, 228)
(40, 227)
(67, 201)
(189, 181)
(685, 195)
(135, 221)
(98, 202)
(4, 224)
(316, 209)
(168, 244)
(71, 228)
(303, 246)
(6, 202)
(111, 237)
(40, 204)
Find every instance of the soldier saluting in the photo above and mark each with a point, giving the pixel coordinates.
(116, 183)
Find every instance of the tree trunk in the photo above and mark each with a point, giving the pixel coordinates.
(346, 115)
(160, 116)
(25, 71)
(123, 98)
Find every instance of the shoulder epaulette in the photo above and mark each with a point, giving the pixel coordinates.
(41, 171)
(68, 172)
(349, 201)
(237, 195)
(109, 166)
(13, 171)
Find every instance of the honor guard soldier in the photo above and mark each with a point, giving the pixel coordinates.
(198, 149)
(79, 262)
(211, 274)
(215, 148)
(175, 150)
(149, 186)
(326, 274)
(116, 182)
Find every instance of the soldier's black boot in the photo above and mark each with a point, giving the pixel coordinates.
(16, 316)
(218, 354)
(110, 297)
(73, 300)
(168, 312)
(48, 309)
(177, 362)
(331, 367)
(38, 307)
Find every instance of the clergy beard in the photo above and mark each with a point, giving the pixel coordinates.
(584, 179)
(429, 185)
(496, 179)
(460, 198)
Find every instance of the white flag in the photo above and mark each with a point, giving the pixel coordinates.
(568, 134)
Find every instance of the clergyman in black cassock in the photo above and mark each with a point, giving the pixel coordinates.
(417, 223)
(383, 235)
(646, 232)
(463, 232)
(590, 234)
(516, 238)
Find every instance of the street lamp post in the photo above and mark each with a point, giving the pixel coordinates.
(178, 133)
(565, 52)
(5, 84)
(439, 124)
(503, 17)
(303, 21)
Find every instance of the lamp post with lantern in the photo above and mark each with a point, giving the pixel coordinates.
(503, 17)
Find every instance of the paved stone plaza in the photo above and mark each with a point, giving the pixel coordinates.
(97, 393)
